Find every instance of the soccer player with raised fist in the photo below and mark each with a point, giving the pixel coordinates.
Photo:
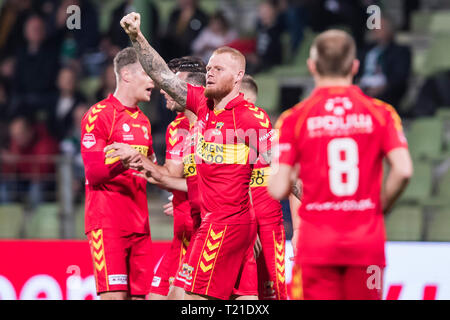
(229, 126)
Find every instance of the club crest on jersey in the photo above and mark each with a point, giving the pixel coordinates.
(338, 105)
(186, 271)
(126, 127)
(144, 128)
(219, 126)
(88, 140)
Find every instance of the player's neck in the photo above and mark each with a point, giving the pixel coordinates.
(220, 104)
(333, 82)
(124, 98)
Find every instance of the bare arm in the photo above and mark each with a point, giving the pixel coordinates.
(398, 177)
(153, 63)
(280, 182)
(294, 205)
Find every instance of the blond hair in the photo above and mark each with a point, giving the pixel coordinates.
(333, 52)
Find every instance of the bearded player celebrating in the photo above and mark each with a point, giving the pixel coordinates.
(228, 127)
(338, 136)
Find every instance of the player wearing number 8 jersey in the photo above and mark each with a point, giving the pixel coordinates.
(339, 137)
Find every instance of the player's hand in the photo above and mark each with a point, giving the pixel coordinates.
(257, 247)
(148, 168)
(131, 23)
(294, 241)
(126, 153)
(168, 209)
(143, 176)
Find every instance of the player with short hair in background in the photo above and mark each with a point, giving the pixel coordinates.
(116, 210)
(192, 70)
(228, 127)
(339, 137)
(269, 220)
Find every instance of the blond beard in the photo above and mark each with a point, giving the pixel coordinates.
(220, 92)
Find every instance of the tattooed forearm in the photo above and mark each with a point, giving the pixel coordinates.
(297, 190)
(157, 69)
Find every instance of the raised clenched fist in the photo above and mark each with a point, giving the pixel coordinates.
(131, 23)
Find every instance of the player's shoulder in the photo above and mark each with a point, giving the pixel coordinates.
(99, 110)
(387, 111)
(251, 114)
(181, 121)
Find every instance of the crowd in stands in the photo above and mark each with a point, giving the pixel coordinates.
(42, 63)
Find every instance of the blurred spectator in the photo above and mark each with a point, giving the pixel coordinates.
(119, 38)
(70, 147)
(385, 66)
(329, 13)
(185, 23)
(13, 15)
(60, 113)
(294, 14)
(27, 163)
(432, 95)
(268, 43)
(108, 83)
(218, 33)
(36, 67)
(408, 7)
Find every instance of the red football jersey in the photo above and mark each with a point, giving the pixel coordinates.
(176, 135)
(339, 137)
(115, 198)
(190, 172)
(222, 154)
(267, 209)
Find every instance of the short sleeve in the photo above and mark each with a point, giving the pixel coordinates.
(195, 99)
(96, 128)
(394, 136)
(284, 149)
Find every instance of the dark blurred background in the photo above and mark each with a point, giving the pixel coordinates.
(51, 75)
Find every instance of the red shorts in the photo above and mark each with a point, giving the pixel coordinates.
(220, 263)
(121, 261)
(312, 282)
(172, 260)
(271, 263)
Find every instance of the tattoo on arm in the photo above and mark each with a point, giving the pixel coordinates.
(157, 69)
(267, 156)
(297, 190)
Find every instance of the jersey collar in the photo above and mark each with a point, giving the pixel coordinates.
(335, 90)
(118, 105)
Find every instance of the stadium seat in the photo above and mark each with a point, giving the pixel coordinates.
(89, 86)
(404, 223)
(11, 220)
(297, 65)
(420, 21)
(268, 91)
(438, 225)
(420, 186)
(440, 22)
(209, 6)
(425, 138)
(79, 222)
(44, 222)
(443, 113)
(437, 57)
